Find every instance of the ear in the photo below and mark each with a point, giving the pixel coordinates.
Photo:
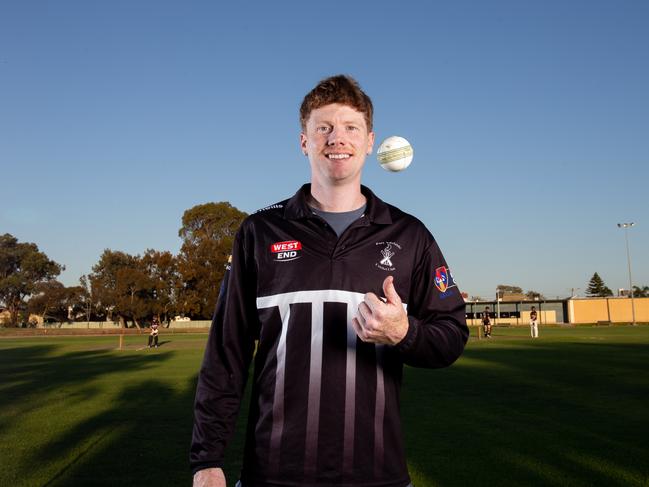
(370, 142)
(303, 143)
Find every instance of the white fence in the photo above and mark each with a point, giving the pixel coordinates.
(111, 325)
(190, 324)
(106, 325)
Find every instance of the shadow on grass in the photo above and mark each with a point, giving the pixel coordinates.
(567, 414)
(29, 373)
(141, 438)
(555, 414)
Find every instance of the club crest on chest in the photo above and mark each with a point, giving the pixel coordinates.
(388, 252)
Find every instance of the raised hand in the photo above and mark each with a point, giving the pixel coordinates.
(383, 322)
(209, 477)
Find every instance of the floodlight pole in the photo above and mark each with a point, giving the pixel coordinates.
(626, 227)
(497, 317)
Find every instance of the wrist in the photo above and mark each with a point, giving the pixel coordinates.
(408, 341)
(401, 331)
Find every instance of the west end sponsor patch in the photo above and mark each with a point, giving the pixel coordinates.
(286, 251)
(388, 251)
(443, 279)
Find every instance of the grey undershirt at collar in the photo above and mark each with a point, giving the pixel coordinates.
(340, 221)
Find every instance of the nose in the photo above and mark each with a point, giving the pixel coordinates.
(336, 137)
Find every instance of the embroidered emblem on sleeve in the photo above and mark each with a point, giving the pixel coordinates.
(443, 279)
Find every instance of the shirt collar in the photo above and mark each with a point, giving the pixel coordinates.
(377, 211)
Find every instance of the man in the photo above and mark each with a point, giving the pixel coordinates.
(486, 322)
(305, 281)
(534, 324)
(153, 336)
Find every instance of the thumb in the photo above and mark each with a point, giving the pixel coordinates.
(390, 292)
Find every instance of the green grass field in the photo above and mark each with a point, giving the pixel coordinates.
(568, 409)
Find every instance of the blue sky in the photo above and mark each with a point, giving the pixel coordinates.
(529, 121)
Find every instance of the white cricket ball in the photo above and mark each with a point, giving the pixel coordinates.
(395, 154)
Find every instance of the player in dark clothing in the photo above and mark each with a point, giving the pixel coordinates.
(486, 322)
(305, 282)
(153, 336)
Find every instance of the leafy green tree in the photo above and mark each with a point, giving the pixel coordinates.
(135, 293)
(534, 295)
(53, 300)
(22, 267)
(641, 292)
(91, 307)
(597, 288)
(207, 232)
(506, 289)
(162, 270)
(135, 287)
(116, 284)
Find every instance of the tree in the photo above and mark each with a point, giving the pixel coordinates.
(53, 300)
(597, 288)
(117, 286)
(208, 232)
(91, 307)
(641, 292)
(162, 270)
(22, 267)
(505, 289)
(534, 295)
(134, 287)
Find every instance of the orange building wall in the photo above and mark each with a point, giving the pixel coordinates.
(615, 310)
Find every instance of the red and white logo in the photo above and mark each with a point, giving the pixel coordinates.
(286, 251)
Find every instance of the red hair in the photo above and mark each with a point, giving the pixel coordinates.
(341, 89)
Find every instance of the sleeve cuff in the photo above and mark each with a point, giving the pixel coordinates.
(409, 340)
(203, 466)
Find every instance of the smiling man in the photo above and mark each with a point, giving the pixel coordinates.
(337, 290)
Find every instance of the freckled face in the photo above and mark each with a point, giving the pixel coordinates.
(337, 141)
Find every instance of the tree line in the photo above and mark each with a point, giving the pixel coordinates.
(127, 288)
(597, 288)
(132, 289)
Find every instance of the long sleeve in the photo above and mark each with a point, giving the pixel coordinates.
(437, 329)
(228, 354)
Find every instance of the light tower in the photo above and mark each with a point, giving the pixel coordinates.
(626, 227)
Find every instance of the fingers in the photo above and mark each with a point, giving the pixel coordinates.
(360, 332)
(363, 323)
(364, 312)
(373, 301)
(379, 320)
(390, 292)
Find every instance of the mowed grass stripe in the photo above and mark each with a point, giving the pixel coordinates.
(566, 409)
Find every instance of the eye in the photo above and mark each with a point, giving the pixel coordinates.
(352, 128)
(323, 129)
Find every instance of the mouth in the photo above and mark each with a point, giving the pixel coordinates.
(338, 156)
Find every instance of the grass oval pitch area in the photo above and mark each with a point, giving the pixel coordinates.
(569, 409)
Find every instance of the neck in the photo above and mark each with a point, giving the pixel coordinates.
(336, 199)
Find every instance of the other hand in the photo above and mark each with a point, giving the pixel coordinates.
(383, 322)
(209, 477)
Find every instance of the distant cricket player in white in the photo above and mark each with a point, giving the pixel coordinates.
(534, 323)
